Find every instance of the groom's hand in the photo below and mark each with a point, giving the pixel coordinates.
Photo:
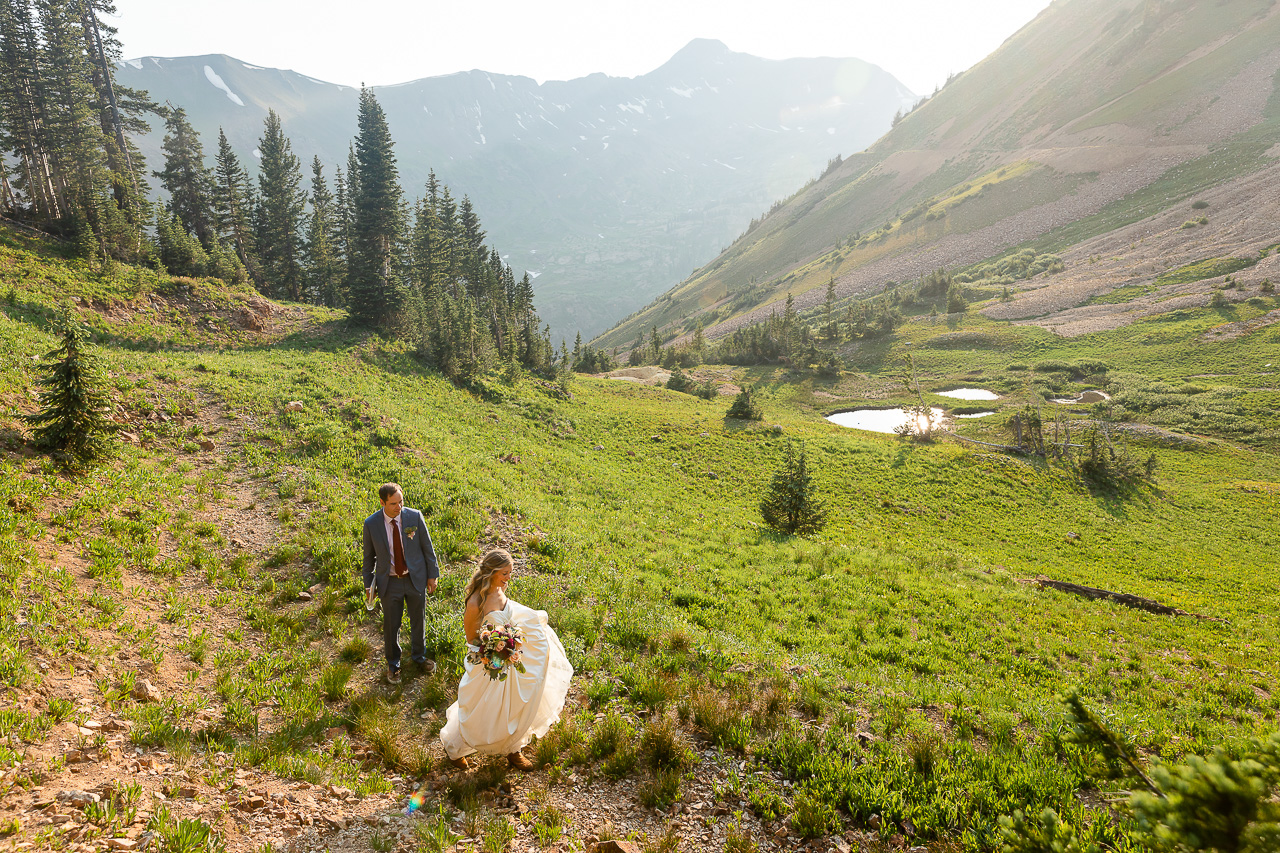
(431, 585)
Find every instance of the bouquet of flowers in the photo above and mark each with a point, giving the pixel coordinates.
(499, 650)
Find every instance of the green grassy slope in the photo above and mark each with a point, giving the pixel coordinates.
(638, 530)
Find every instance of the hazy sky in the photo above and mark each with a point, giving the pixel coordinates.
(379, 42)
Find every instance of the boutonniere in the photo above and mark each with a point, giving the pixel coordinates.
(410, 532)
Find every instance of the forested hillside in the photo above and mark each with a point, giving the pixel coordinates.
(422, 270)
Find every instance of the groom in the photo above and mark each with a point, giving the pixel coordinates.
(400, 565)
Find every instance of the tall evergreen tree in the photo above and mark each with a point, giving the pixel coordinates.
(829, 307)
(24, 105)
(373, 279)
(122, 112)
(341, 216)
(324, 266)
(76, 172)
(281, 205)
(187, 178)
(71, 124)
(232, 202)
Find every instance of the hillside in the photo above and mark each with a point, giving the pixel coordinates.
(887, 683)
(1089, 134)
(608, 190)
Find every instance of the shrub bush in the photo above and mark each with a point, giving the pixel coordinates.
(745, 406)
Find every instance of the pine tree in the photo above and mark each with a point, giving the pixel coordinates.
(122, 112)
(280, 211)
(745, 406)
(185, 176)
(373, 279)
(77, 173)
(829, 309)
(324, 266)
(24, 106)
(71, 131)
(180, 252)
(791, 504)
(232, 203)
(72, 421)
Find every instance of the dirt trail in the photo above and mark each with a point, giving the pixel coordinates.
(91, 756)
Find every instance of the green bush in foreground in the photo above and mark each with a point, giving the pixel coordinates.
(72, 421)
(1212, 804)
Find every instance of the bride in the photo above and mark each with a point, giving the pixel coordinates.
(501, 717)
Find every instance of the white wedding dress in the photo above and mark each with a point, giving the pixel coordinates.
(499, 717)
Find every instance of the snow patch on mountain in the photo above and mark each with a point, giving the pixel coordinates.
(684, 93)
(212, 77)
(136, 63)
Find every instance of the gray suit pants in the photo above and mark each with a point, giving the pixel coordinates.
(400, 596)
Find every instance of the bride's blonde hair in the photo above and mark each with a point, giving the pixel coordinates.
(482, 577)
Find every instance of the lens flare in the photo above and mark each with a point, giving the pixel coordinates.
(417, 801)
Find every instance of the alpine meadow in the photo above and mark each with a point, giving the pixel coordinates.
(935, 513)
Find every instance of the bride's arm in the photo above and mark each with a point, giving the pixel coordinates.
(471, 620)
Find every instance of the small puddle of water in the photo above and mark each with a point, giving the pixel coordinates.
(970, 394)
(1085, 397)
(878, 420)
(975, 415)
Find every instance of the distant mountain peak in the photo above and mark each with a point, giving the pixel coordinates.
(702, 48)
(699, 52)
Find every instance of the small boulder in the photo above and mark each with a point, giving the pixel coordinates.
(206, 444)
(145, 691)
(294, 406)
(79, 799)
(616, 845)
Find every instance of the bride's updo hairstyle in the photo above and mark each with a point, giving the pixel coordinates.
(482, 577)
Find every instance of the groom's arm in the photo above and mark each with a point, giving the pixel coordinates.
(429, 555)
(369, 557)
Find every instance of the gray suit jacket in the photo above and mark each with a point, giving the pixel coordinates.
(419, 555)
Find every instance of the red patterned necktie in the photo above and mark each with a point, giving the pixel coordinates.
(397, 550)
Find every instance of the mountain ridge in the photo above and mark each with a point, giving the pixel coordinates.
(1078, 118)
(608, 189)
